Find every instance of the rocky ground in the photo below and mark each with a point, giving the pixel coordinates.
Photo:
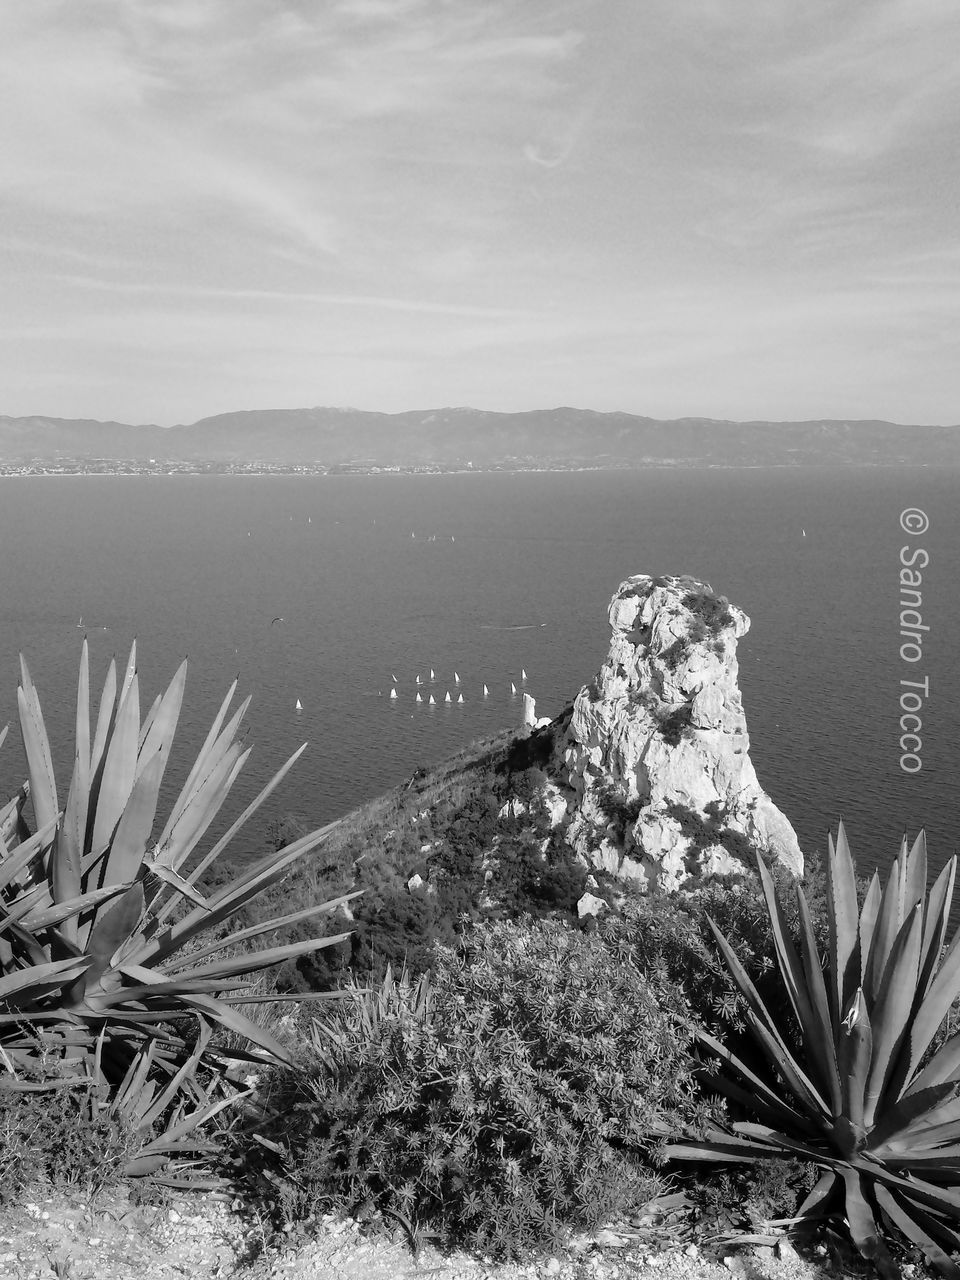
(207, 1239)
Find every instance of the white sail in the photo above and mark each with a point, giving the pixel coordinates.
(460, 699)
(393, 693)
(513, 687)
(456, 678)
(433, 701)
(523, 674)
(486, 692)
(448, 698)
(393, 677)
(418, 680)
(432, 676)
(419, 699)
(299, 706)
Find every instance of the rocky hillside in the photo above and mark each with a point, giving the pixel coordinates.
(643, 784)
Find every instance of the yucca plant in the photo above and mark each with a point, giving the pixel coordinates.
(101, 963)
(863, 1097)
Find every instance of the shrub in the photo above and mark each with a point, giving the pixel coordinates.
(712, 610)
(523, 1090)
(675, 723)
(60, 1137)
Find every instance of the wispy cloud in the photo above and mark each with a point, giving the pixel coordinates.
(527, 202)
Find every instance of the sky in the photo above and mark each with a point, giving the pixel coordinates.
(711, 208)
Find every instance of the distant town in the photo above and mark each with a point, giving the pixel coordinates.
(192, 467)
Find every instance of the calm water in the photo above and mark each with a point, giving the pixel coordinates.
(503, 573)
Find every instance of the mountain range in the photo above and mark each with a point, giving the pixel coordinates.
(464, 437)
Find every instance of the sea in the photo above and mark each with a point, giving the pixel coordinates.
(332, 591)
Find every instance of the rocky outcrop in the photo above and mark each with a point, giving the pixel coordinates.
(655, 760)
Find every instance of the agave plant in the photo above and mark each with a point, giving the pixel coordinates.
(869, 1097)
(101, 961)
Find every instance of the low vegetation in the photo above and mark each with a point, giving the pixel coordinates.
(459, 1052)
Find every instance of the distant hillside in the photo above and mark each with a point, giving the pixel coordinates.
(328, 437)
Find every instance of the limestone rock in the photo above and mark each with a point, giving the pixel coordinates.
(589, 905)
(656, 754)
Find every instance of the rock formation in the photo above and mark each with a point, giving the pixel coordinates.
(654, 763)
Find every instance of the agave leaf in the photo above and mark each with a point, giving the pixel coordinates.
(237, 965)
(12, 826)
(918, 1226)
(70, 847)
(165, 716)
(119, 768)
(57, 972)
(722, 1147)
(213, 747)
(13, 864)
(903, 1115)
(892, 1011)
(231, 897)
(863, 1228)
(943, 1066)
(82, 735)
(129, 843)
(855, 1052)
(887, 927)
(111, 931)
(945, 1200)
(146, 724)
(185, 1074)
(937, 1126)
(65, 862)
(935, 923)
(771, 1041)
(251, 808)
(829, 1179)
(104, 718)
(36, 920)
(931, 1013)
(913, 884)
(818, 1040)
(175, 881)
(844, 919)
(233, 1020)
(257, 930)
(868, 923)
(43, 786)
(176, 845)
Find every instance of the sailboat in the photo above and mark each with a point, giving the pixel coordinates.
(433, 701)
(393, 693)
(419, 699)
(418, 680)
(299, 706)
(513, 687)
(432, 676)
(523, 674)
(456, 678)
(393, 677)
(486, 692)
(448, 698)
(460, 699)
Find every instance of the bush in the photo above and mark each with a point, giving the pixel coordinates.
(59, 1137)
(522, 1091)
(668, 938)
(673, 724)
(713, 611)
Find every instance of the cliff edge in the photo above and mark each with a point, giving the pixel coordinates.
(653, 767)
